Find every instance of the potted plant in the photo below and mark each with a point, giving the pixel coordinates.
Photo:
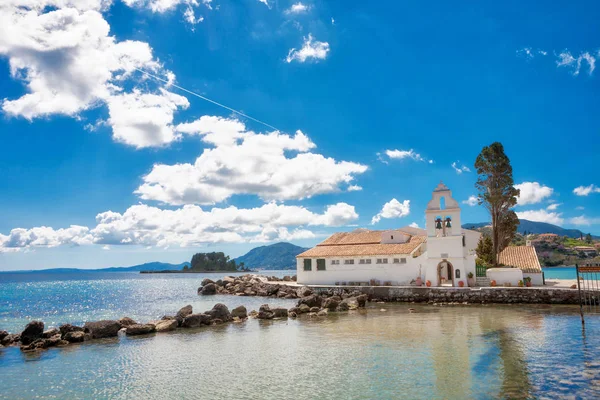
(461, 283)
(521, 284)
(428, 283)
(527, 281)
(492, 283)
(419, 281)
(470, 279)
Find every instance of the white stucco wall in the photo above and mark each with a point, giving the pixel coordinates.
(398, 274)
(503, 275)
(536, 279)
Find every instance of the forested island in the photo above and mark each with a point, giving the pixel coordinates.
(206, 262)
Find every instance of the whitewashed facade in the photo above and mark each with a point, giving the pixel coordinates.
(442, 254)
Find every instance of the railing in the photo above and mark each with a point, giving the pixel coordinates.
(480, 271)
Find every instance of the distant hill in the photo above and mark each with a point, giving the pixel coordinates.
(535, 227)
(151, 266)
(276, 256)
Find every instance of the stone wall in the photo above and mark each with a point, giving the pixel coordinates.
(462, 295)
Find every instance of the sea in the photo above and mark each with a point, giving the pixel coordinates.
(386, 351)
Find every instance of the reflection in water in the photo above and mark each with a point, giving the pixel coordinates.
(436, 352)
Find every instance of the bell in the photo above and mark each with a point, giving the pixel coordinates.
(448, 224)
(438, 224)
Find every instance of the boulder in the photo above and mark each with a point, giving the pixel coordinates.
(331, 304)
(140, 329)
(287, 278)
(66, 328)
(209, 289)
(9, 339)
(126, 321)
(166, 325)
(280, 312)
(322, 313)
(362, 300)
(350, 302)
(292, 315)
(196, 320)
(3, 334)
(313, 300)
(220, 311)
(239, 312)
(74, 336)
(264, 312)
(102, 329)
(32, 332)
(304, 291)
(50, 332)
(343, 306)
(228, 279)
(182, 313)
(303, 309)
(206, 281)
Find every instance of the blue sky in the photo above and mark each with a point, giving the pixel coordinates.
(374, 104)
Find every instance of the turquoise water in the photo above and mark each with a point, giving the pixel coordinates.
(383, 352)
(560, 273)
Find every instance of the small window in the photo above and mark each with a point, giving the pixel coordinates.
(379, 261)
(335, 262)
(392, 237)
(321, 264)
(403, 261)
(384, 261)
(307, 264)
(396, 261)
(464, 241)
(457, 274)
(348, 261)
(368, 261)
(361, 261)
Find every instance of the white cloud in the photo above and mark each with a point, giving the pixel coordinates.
(586, 190)
(63, 52)
(566, 59)
(583, 220)
(414, 225)
(460, 168)
(332, 21)
(471, 201)
(186, 226)
(311, 49)
(273, 166)
(265, 2)
(529, 53)
(580, 208)
(144, 119)
(354, 188)
(553, 206)
(297, 8)
(190, 16)
(404, 154)
(541, 216)
(532, 193)
(392, 209)
(161, 6)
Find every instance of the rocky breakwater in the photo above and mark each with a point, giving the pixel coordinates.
(251, 285)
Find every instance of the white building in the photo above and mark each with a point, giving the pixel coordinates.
(443, 254)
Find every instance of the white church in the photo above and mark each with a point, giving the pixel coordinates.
(442, 254)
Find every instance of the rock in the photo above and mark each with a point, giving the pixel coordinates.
(196, 320)
(287, 278)
(294, 278)
(315, 309)
(166, 325)
(66, 328)
(228, 279)
(32, 332)
(140, 329)
(126, 321)
(343, 306)
(9, 339)
(292, 314)
(322, 313)
(220, 311)
(3, 334)
(313, 300)
(350, 302)
(265, 312)
(182, 313)
(102, 329)
(362, 300)
(209, 289)
(280, 312)
(253, 314)
(74, 336)
(331, 304)
(50, 332)
(303, 309)
(206, 281)
(239, 312)
(303, 291)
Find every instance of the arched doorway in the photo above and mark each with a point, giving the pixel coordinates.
(445, 272)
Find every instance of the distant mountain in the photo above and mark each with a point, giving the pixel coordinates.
(151, 266)
(276, 256)
(535, 227)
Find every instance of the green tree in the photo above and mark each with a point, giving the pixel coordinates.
(497, 193)
(186, 268)
(588, 239)
(215, 261)
(484, 252)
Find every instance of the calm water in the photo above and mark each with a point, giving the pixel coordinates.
(457, 352)
(560, 273)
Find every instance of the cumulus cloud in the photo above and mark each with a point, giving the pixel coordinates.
(460, 168)
(404, 154)
(69, 63)
(532, 193)
(553, 206)
(392, 209)
(273, 166)
(186, 226)
(162, 6)
(311, 49)
(265, 2)
(541, 216)
(566, 59)
(586, 190)
(414, 225)
(297, 8)
(583, 220)
(471, 201)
